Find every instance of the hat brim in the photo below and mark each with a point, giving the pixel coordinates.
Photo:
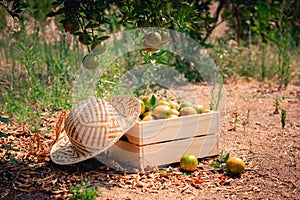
(64, 153)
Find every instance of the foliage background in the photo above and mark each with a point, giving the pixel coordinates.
(40, 57)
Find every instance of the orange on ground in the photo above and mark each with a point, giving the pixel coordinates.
(189, 162)
(235, 165)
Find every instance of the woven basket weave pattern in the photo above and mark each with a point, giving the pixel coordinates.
(92, 126)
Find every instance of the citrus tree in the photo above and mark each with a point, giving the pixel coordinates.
(92, 20)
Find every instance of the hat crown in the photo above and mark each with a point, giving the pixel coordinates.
(92, 124)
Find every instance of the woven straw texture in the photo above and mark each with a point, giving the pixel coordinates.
(92, 126)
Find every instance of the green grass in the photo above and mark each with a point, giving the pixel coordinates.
(84, 191)
(37, 75)
(260, 62)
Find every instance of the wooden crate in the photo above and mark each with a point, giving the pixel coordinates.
(161, 142)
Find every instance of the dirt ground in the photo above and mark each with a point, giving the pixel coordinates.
(271, 154)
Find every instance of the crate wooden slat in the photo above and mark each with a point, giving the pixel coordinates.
(161, 154)
(161, 142)
(149, 132)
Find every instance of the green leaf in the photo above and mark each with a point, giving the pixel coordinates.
(283, 118)
(12, 159)
(61, 11)
(102, 38)
(8, 147)
(51, 14)
(225, 157)
(82, 191)
(101, 30)
(3, 135)
(91, 25)
(215, 165)
(147, 105)
(153, 101)
(186, 174)
(167, 171)
(56, 3)
(78, 33)
(5, 120)
(105, 21)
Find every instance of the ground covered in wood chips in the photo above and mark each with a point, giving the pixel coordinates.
(251, 131)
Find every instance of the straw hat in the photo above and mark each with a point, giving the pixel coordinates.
(92, 126)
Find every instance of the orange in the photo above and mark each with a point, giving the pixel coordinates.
(163, 102)
(71, 25)
(147, 113)
(199, 108)
(187, 111)
(98, 48)
(148, 118)
(174, 104)
(143, 108)
(235, 165)
(146, 100)
(153, 39)
(162, 112)
(90, 61)
(186, 104)
(148, 48)
(203, 15)
(189, 162)
(84, 39)
(175, 112)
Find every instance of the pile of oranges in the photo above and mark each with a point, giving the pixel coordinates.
(164, 109)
